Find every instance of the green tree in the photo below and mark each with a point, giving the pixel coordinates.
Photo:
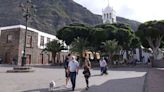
(54, 47)
(119, 32)
(72, 31)
(151, 34)
(110, 47)
(79, 45)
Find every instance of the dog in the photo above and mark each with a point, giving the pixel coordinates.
(52, 86)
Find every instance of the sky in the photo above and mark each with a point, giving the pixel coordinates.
(139, 10)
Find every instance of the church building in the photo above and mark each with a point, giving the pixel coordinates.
(109, 15)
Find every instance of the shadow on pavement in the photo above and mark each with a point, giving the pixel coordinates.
(96, 75)
(57, 89)
(37, 90)
(118, 85)
(126, 69)
(115, 85)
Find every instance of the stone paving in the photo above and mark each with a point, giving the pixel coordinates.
(118, 80)
(155, 80)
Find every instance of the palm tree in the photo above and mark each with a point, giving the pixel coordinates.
(79, 45)
(110, 47)
(54, 47)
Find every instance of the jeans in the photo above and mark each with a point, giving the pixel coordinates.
(73, 79)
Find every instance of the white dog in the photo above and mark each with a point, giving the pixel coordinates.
(52, 86)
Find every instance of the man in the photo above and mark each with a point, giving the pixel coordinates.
(66, 62)
(73, 68)
(103, 66)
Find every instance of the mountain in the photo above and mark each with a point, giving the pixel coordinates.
(51, 15)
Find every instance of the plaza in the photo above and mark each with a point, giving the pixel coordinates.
(118, 80)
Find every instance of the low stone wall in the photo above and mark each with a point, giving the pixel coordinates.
(158, 63)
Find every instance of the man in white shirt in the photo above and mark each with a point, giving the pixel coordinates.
(73, 68)
(103, 66)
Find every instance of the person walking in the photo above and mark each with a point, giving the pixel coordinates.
(73, 68)
(66, 62)
(86, 72)
(103, 66)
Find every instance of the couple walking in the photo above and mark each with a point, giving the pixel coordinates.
(71, 70)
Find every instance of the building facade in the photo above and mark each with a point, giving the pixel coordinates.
(109, 15)
(12, 41)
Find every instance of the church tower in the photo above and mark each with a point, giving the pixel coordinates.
(109, 15)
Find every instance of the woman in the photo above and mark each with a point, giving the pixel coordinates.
(86, 72)
(66, 62)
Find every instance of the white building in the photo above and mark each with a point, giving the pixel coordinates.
(109, 15)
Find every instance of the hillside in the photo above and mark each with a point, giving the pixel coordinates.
(51, 15)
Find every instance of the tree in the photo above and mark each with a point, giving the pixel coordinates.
(72, 31)
(110, 47)
(54, 47)
(135, 43)
(151, 34)
(79, 45)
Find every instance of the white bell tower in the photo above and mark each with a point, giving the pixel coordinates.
(109, 15)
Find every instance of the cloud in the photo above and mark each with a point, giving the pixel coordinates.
(141, 10)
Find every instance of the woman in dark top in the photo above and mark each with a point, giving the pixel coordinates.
(86, 72)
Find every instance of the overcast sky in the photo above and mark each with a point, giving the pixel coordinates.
(140, 10)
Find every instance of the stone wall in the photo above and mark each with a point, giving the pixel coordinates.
(14, 48)
(9, 49)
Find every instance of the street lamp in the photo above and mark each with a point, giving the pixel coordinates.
(27, 13)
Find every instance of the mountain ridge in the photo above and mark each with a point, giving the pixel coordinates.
(51, 15)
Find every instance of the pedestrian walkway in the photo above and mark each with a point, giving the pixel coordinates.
(117, 80)
(155, 80)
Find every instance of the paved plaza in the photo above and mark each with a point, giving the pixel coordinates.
(118, 80)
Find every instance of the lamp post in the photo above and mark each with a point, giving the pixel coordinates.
(27, 13)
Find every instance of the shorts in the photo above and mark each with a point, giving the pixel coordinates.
(87, 74)
(67, 74)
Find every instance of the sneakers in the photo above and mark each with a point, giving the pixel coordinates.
(68, 85)
(87, 88)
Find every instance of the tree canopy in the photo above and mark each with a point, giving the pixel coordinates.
(151, 34)
(72, 31)
(95, 35)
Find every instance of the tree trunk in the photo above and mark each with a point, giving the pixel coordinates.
(155, 53)
(154, 44)
(127, 55)
(110, 59)
(54, 57)
(81, 58)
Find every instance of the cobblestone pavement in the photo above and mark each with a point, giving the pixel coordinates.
(155, 80)
(118, 80)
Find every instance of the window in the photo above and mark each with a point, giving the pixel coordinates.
(9, 38)
(29, 41)
(42, 41)
(107, 15)
(110, 15)
(48, 40)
